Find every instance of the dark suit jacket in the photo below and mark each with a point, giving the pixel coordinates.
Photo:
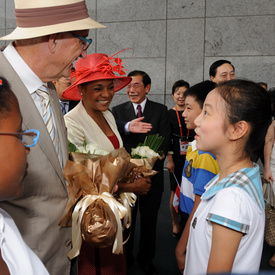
(72, 104)
(39, 209)
(154, 113)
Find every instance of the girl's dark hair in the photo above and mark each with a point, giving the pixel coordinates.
(248, 101)
(178, 84)
(6, 98)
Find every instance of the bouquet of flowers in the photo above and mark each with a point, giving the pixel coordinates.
(149, 148)
(92, 210)
(146, 153)
(144, 157)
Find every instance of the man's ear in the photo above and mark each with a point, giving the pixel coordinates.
(53, 42)
(148, 87)
(212, 78)
(239, 130)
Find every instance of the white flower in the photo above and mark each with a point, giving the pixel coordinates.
(144, 152)
(150, 153)
(81, 149)
(92, 149)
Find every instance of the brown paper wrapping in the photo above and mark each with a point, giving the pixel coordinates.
(92, 211)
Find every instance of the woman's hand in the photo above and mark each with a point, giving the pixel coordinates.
(143, 185)
(267, 174)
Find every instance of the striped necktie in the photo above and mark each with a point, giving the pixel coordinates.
(48, 119)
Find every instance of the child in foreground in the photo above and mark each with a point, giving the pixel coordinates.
(15, 257)
(226, 232)
(199, 168)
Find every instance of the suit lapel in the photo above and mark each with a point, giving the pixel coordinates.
(129, 111)
(148, 110)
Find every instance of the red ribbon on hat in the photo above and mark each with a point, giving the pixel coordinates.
(107, 65)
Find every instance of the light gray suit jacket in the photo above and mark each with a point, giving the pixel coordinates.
(39, 209)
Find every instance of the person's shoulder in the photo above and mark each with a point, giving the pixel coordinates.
(75, 111)
(206, 155)
(150, 102)
(157, 107)
(121, 105)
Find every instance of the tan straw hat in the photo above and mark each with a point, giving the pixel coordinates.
(43, 17)
(97, 66)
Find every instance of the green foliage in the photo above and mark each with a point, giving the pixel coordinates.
(153, 142)
(72, 147)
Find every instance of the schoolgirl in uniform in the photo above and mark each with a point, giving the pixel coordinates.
(226, 232)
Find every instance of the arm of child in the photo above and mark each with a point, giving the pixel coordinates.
(225, 243)
(170, 164)
(182, 243)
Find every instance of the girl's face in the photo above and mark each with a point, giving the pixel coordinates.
(191, 112)
(178, 97)
(13, 157)
(210, 124)
(97, 95)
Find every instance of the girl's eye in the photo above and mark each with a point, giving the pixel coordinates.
(205, 113)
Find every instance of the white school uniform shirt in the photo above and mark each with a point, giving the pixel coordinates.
(19, 258)
(235, 202)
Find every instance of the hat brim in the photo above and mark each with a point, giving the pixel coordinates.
(25, 33)
(72, 92)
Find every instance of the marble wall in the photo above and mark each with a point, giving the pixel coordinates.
(180, 39)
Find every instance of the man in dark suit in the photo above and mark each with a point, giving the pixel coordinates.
(148, 204)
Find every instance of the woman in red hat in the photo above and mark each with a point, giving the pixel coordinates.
(91, 122)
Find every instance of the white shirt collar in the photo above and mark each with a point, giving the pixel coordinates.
(194, 145)
(28, 77)
(142, 104)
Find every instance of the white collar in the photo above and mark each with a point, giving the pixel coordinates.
(142, 104)
(194, 145)
(28, 77)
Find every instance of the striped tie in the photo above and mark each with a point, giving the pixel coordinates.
(48, 119)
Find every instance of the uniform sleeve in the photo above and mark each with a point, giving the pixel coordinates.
(232, 208)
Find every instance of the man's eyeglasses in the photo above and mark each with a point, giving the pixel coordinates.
(29, 137)
(134, 86)
(86, 42)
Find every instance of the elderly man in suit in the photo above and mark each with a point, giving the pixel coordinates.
(148, 204)
(50, 36)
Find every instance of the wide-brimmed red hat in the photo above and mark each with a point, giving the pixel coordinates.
(97, 66)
